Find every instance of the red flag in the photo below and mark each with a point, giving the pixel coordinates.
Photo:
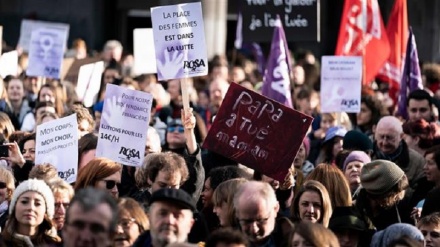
(362, 33)
(397, 31)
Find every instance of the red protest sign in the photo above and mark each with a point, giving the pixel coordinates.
(257, 132)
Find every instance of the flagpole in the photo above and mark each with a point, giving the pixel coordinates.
(364, 30)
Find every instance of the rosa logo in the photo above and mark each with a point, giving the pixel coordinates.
(129, 153)
(193, 64)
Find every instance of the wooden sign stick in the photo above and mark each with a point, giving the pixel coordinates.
(185, 94)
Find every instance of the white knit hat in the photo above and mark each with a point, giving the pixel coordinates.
(38, 186)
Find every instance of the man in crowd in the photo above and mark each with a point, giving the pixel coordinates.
(171, 218)
(430, 228)
(91, 219)
(419, 106)
(389, 145)
(256, 207)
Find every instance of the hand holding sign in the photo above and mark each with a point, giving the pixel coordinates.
(189, 123)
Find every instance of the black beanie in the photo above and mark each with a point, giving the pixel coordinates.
(356, 140)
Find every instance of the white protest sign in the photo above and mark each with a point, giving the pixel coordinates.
(28, 26)
(9, 64)
(179, 40)
(89, 82)
(57, 144)
(124, 124)
(144, 53)
(341, 81)
(46, 52)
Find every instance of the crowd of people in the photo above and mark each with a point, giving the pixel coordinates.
(365, 179)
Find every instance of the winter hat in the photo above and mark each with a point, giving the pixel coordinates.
(347, 218)
(356, 156)
(38, 186)
(385, 237)
(334, 132)
(379, 176)
(356, 140)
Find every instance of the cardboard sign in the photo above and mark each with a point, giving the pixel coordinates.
(57, 144)
(9, 64)
(300, 19)
(89, 82)
(179, 40)
(124, 125)
(28, 26)
(341, 82)
(144, 53)
(257, 132)
(46, 52)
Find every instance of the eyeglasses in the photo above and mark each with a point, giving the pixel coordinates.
(180, 129)
(95, 228)
(110, 184)
(126, 223)
(2, 185)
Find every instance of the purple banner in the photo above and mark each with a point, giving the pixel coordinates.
(411, 77)
(276, 82)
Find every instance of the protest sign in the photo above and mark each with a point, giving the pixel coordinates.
(9, 64)
(89, 82)
(28, 26)
(144, 53)
(341, 80)
(57, 144)
(46, 52)
(179, 41)
(124, 124)
(300, 19)
(257, 132)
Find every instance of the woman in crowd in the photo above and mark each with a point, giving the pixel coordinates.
(31, 211)
(50, 93)
(100, 173)
(215, 177)
(371, 111)
(17, 105)
(307, 234)
(7, 187)
(223, 202)
(132, 222)
(331, 145)
(352, 168)
(63, 193)
(312, 203)
(421, 135)
(335, 182)
(6, 126)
